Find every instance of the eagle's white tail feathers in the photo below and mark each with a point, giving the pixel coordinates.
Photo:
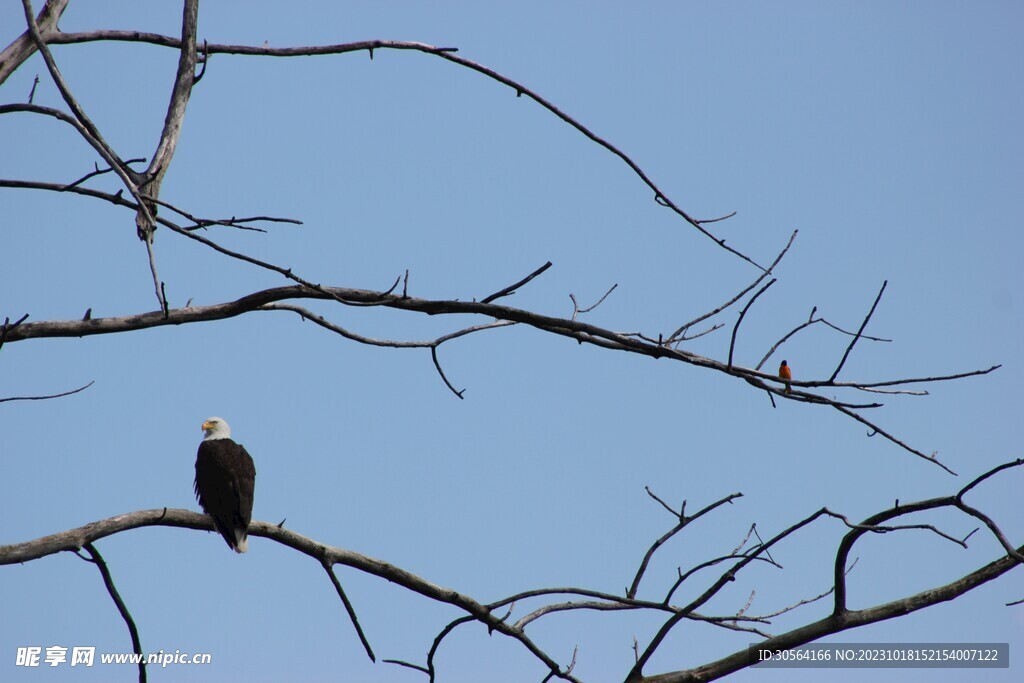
(241, 542)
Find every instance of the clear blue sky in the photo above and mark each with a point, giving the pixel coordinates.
(887, 133)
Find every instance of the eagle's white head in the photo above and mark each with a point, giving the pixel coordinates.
(216, 428)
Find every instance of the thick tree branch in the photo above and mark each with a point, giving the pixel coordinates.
(636, 673)
(92, 135)
(74, 539)
(24, 46)
(183, 81)
(574, 329)
(835, 624)
(843, 619)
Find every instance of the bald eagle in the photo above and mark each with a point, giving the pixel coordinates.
(225, 479)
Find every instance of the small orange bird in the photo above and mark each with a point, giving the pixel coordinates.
(785, 374)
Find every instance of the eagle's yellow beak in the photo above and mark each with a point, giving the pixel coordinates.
(207, 425)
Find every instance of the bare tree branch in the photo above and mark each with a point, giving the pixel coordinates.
(933, 457)
(636, 673)
(24, 47)
(859, 332)
(350, 609)
(183, 81)
(574, 329)
(75, 539)
(446, 53)
(88, 129)
(511, 289)
(683, 522)
(407, 665)
(44, 398)
(842, 618)
(108, 581)
(98, 172)
(675, 336)
(7, 327)
(811, 320)
(145, 189)
(736, 327)
(92, 135)
(576, 310)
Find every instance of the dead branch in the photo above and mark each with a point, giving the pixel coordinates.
(8, 326)
(92, 135)
(859, 332)
(574, 329)
(679, 333)
(24, 46)
(98, 172)
(74, 540)
(108, 582)
(580, 331)
(683, 522)
(636, 673)
(511, 289)
(811, 320)
(743, 312)
(350, 609)
(576, 310)
(445, 53)
(45, 398)
(182, 90)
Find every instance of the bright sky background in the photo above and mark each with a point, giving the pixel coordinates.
(887, 133)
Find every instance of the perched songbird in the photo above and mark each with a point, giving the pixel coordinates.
(225, 479)
(785, 374)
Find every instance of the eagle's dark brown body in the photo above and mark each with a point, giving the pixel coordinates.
(225, 480)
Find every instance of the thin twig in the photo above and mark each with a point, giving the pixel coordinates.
(233, 222)
(399, 662)
(437, 364)
(684, 520)
(157, 285)
(44, 398)
(98, 171)
(859, 332)
(576, 310)
(672, 338)
(736, 327)
(446, 53)
(511, 289)
(878, 430)
(7, 327)
(723, 580)
(108, 581)
(351, 610)
(705, 221)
